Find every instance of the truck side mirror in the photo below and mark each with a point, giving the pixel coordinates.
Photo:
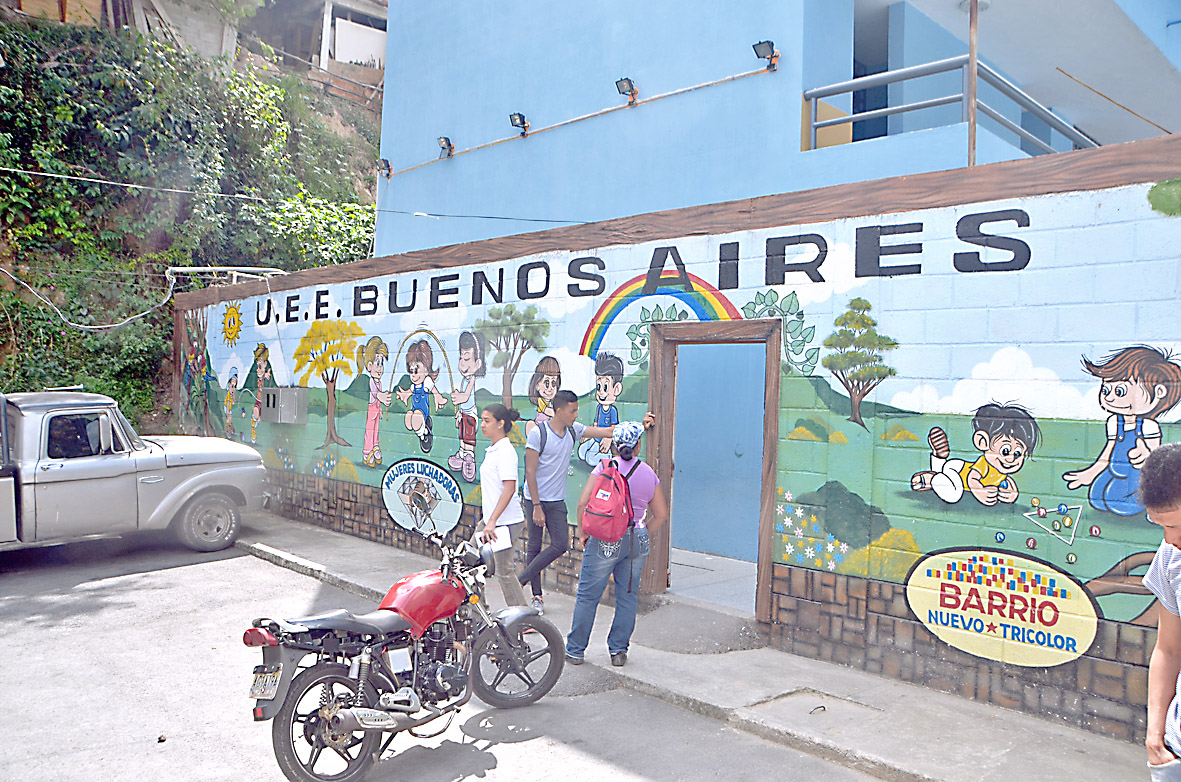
(104, 434)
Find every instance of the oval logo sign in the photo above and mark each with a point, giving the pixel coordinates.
(1003, 607)
(422, 497)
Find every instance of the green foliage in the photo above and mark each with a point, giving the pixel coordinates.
(89, 102)
(796, 337)
(512, 332)
(1165, 197)
(846, 515)
(640, 333)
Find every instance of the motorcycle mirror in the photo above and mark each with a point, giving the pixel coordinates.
(489, 560)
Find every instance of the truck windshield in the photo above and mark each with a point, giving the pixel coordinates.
(136, 443)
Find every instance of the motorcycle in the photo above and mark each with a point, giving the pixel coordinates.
(335, 684)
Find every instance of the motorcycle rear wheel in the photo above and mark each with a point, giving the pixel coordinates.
(507, 678)
(306, 749)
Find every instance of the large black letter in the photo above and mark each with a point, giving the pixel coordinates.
(321, 305)
(293, 308)
(577, 272)
(968, 229)
(259, 318)
(394, 306)
(438, 292)
(728, 266)
(777, 266)
(480, 284)
(869, 252)
(653, 281)
(364, 300)
(523, 291)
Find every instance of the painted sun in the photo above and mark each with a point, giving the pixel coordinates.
(231, 324)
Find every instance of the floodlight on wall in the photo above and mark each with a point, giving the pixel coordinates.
(626, 87)
(446, 148)
(385, 168)
(519, 122)
(765, 50)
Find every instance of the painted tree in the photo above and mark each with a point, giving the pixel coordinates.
(512, 333)
(856, 359)
(327, 350)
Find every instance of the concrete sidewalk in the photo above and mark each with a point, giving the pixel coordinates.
(710, 660)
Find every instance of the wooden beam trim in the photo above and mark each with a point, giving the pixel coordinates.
(1136, 162)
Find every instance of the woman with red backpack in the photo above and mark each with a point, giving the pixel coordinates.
(623, 557)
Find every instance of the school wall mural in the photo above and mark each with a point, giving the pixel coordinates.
(968, 392)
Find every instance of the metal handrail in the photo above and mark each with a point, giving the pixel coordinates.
(1079, 139)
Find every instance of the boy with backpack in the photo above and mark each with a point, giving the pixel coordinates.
(619, 504)
(548, 447)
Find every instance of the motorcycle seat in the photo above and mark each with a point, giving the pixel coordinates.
(380, 622)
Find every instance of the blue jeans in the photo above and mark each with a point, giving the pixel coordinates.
(623, 560)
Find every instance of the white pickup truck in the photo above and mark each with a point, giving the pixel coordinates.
(72, 467)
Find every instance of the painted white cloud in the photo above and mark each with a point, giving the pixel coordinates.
(837, 271)
(1009, 376)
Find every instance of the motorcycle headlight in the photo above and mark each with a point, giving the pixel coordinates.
(488, 560)
(469, 555)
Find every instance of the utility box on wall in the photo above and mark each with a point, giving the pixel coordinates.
(285, 405)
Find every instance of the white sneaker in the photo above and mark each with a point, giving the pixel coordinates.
(539, 604)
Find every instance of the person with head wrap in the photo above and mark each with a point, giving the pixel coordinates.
(624, 559)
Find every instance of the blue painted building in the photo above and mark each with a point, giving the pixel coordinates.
(1105, 67)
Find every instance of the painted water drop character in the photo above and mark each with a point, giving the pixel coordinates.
(608, 387)
(1139, 385)
(544, 384)
(420, 364)
(471, 366)
(371, 360)
(1005, 435)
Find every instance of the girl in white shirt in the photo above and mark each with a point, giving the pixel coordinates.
(498, 491)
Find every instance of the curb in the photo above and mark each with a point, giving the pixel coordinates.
(734, 718)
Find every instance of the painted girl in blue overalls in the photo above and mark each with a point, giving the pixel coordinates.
(1139, 384)
(420, 366)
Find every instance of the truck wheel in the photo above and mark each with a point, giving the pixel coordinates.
(210, 522)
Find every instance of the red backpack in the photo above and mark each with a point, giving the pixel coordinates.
(609, 512)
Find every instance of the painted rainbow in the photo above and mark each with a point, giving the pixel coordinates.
(705, 301)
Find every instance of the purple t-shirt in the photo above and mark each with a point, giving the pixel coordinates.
(642, 484)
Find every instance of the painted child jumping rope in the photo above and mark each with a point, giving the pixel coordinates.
(1139, 385)
(471, 366)
(420, 364)
(1004, 434)
(371, 360)
(544, 384)
(608, 387)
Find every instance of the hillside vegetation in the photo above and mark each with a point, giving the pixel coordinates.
(85, 102)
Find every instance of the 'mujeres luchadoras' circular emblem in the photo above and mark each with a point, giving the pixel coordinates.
(997, 605)
(422, 496)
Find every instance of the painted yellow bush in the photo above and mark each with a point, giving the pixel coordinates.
(888, 558)
(838, 437)
(346, 471)
(898, 434)
(801, 433)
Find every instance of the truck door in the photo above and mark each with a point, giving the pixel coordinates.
(7, 478)
(81, 486)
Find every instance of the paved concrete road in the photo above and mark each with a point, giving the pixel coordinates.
(123, 661)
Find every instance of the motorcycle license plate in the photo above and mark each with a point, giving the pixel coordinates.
(266, 684)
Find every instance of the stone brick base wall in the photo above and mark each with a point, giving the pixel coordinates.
(358, 510)
(868, 625)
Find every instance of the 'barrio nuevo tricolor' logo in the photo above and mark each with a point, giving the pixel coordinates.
(1003, 607)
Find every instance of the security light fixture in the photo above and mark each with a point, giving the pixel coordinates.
(385, 168)
(446, 148)
(766, 50)
(626, 87)
(519, 122)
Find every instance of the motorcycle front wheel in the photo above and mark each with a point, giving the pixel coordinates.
(517, 673)
(307, 749)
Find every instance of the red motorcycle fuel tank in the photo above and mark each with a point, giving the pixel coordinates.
(424, 598)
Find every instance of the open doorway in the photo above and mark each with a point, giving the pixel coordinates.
(715, 391)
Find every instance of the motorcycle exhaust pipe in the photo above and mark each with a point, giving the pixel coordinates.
(351, 720)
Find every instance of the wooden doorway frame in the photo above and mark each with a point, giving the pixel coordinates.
(662, 390)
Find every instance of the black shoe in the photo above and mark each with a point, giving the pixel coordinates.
(619, 659)
(428, 439)
(574, 660)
